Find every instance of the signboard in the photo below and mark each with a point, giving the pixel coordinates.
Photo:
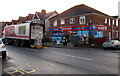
(22, 29)
(19, 31)
(76, 28)
(10, 31)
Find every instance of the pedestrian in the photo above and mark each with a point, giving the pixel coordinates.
(64, 41)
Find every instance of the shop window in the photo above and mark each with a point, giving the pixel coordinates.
(82, 20)
(98, 34)
(85, 33)
(55, 23)
(105, 20)
(62, 21)
(72, 20)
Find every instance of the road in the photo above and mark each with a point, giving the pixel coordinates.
(52, 60)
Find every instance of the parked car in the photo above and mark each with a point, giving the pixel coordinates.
(111, 44)
(2, 50)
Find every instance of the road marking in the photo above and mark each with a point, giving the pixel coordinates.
(19, 71)
(12, 70)
(45, 47)
(27, 64)
(28, 71)
(32, 49)
(74, 56)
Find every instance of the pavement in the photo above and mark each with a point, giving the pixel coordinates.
(70, 45)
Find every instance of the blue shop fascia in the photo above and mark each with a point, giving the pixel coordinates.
(96, 30)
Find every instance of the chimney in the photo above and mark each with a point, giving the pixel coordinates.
(43, 11)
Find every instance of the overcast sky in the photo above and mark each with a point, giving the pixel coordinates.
(12, 9)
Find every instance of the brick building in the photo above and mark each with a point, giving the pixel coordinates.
(85, 22)
(119, 28)
(0, 29)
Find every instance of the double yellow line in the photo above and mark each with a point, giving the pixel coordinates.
(12, 71)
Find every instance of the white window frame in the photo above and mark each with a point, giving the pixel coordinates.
(109, 21)
(55, 23)
(72, 20)
(117, 33)
(116, 22)
(106, 20)
(113, 22)
(82, 20)
(62, 21)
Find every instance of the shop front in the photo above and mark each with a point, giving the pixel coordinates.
(82, 32)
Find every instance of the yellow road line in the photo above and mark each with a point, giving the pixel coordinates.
(33, 70)
(12, 68)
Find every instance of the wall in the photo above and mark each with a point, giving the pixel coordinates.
(0, 30)
(92, 19)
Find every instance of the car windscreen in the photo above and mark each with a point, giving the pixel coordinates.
(115, 41)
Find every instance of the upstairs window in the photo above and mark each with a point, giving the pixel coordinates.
(113, 22)
(105, 20)
(72, 20)
(82, 20)
(55, 23)
(109, 22)
(62, 21)
(116, 22)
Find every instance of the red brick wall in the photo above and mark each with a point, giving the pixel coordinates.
(0, 31)
(95, 20)
(119, 28)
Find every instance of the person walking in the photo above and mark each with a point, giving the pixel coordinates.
(64, 41)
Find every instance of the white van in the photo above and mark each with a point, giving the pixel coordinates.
(2, 50)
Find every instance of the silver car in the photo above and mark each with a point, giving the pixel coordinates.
(111, 44)
(2, 50)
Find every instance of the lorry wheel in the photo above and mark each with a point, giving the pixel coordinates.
(4, 55)
(22, 43)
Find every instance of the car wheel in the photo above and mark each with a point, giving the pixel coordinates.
(105, 48)
(117, 47)
(4, 55)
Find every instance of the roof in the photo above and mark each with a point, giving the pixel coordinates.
(30, 16)
(40, 15)
(44, 15)
(79, 10)
(22, 19)
(14, 21)
(7, 23)
(115, 16)
(49, 14)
